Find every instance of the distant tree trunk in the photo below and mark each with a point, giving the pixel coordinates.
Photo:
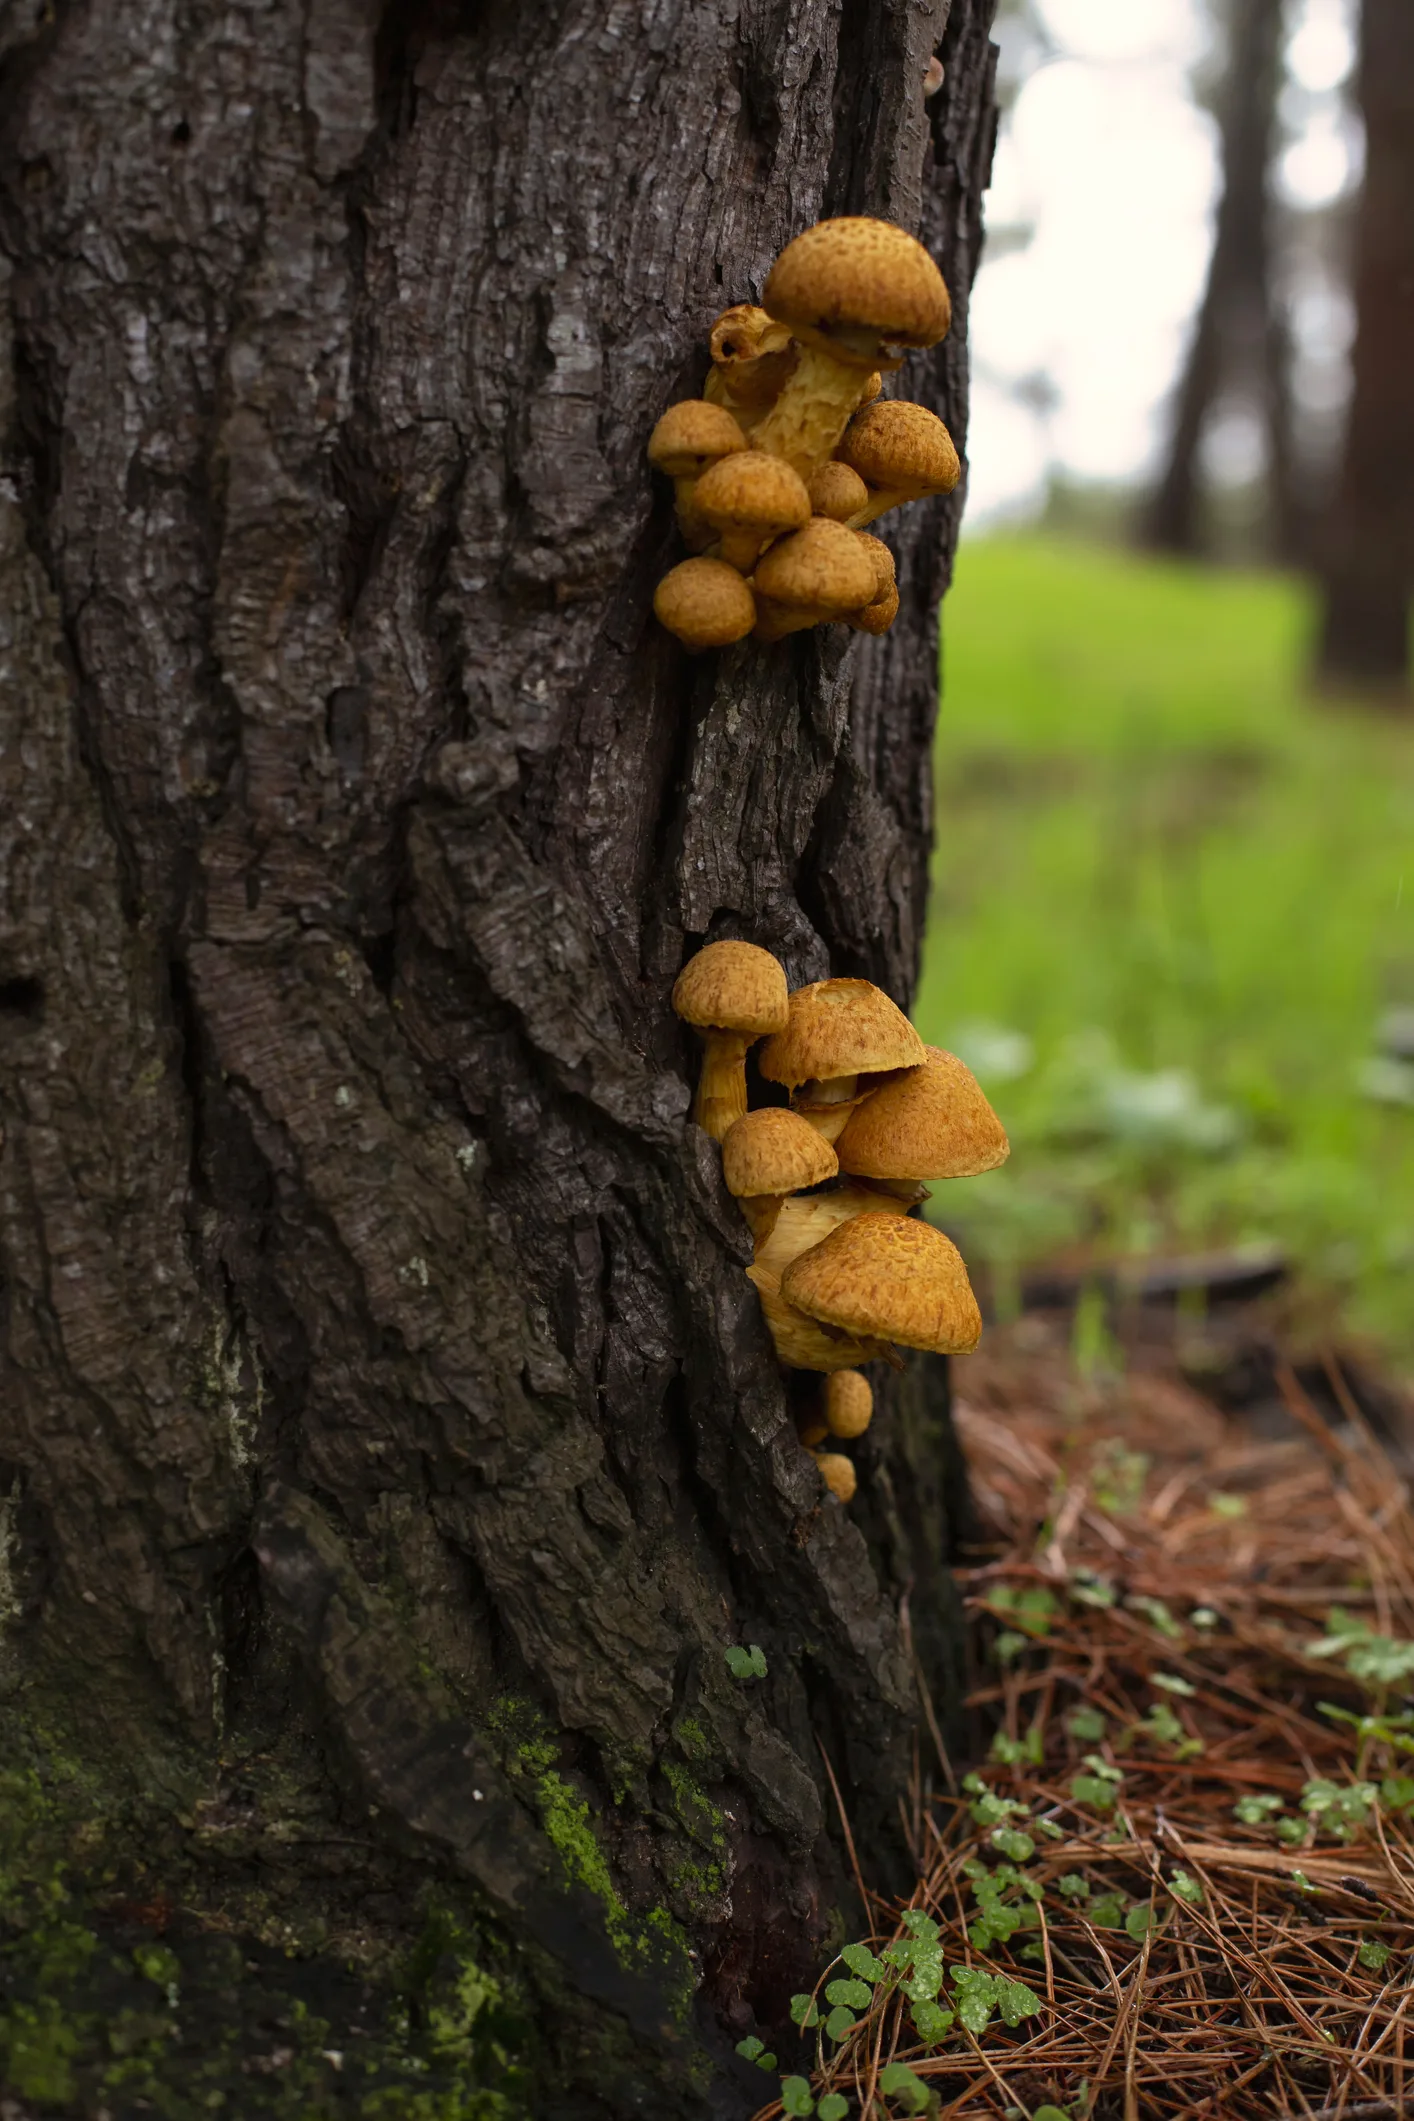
(1240, 336)
(1367, 547)
(390, 1445)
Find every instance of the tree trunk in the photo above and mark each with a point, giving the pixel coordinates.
(1240, 337)
(390, 1446)
(1368, 544)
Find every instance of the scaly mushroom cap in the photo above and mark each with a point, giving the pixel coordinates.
(774, 1151)
(705, 603)
(820, 568)
(840, 1027)
(753, 492)
(837, 492)
(849, 1403)
(877, 617)
(896, 446)
(933, 1122)
(854, 285)
(890, 1278)
(732, 987)
(691, 436)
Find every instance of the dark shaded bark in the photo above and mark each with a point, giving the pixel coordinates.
(1367, 555)
(1241, 339)
(390, 1442)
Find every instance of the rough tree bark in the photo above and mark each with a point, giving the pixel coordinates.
(1367, 545)
(1240, 337)
(390, 1446)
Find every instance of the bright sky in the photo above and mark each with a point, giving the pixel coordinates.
(1077, 334)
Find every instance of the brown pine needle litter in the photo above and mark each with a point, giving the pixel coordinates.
(1182, 1883)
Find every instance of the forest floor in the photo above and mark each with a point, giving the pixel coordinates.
(1181, 1879)
(1174, 932)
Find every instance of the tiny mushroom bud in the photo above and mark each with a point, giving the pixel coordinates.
(836, 491)
(849, 1403)
(889, 1276)
(705, 603)
(902, 452)
(933, 77)
(810, 1428)
(748, 500)
(770, 1153)
(852, 291)
(751, 359)
(734, 994)
(816, 574)
(689, 439)
(837, 1030)
(929, 1122)
(838, 1474)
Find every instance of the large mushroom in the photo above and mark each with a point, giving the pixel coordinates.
(853, 292)
(748, 500)
(733, 993)
(838, 1030)
(891, 1277)
(902, 452)
(689, 439)
(932, 1122)
(818, 573)
(705, 603)
(769, 1154)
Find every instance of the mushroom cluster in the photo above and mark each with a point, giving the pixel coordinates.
(828, 1183)
(791, 451)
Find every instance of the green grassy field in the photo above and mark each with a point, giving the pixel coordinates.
(1173, 901)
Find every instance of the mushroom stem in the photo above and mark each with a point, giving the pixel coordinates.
(721, 1087)
(882, 498)
(827, 1105)
(800, 1343)
(814, 408)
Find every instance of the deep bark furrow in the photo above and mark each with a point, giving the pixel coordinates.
(350, 1212)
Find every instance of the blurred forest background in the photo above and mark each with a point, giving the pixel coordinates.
(1174, 892)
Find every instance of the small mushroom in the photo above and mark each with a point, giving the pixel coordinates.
(705, 603)
(930, 1122)
(748, 500)
(891, 1277)
(689, 439)
(878, 615)
(838, 1030)
(836, 491)
(852, 291)
(816, 574)
(811, 1428)
(733, 993)
(838, 1473)
(902, 452)
(768, 1154)
(751, 359)
(849, 1404)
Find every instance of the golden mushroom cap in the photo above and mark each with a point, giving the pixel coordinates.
(895, 444)
(841, 1027)
(774, 1151)
(692, 435)
(820, 568)
(838, 1474)
(836, 491)
(882, 560)
(849, 1403)
(879, 616)
(705, 603)
(859, 276)
(732, 987)
(890, 1278)
(752, 491)
(933, 1122)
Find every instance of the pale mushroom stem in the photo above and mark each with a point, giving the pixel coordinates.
(721, 1087)
(827, 1104)
(801, 1343)
(881, 498)
(813, 410)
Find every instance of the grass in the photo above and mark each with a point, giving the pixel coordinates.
(1173, 899)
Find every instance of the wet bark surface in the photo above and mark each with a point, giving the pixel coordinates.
(389, 1436)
